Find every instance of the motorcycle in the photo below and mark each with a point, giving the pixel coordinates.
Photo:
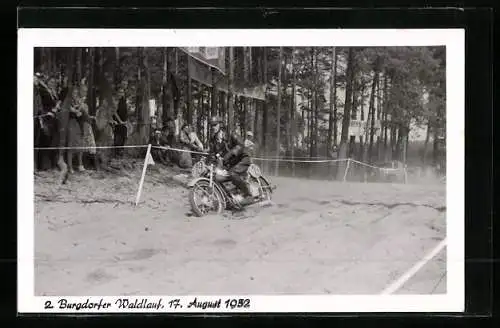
(211, 190)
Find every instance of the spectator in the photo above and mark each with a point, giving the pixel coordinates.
(104, 129)
(250, 144)
(75, 133)
(189, 141)
(334, 153)
(120, 129)
(168, 131)
(158, 154)
(86, 125)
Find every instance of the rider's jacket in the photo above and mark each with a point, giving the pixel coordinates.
(231, 148)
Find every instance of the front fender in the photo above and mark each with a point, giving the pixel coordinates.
(215, 184)
(194, 181)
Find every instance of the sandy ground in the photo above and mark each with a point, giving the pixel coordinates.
(319, 237)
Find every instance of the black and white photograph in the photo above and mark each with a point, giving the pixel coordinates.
(284, 164)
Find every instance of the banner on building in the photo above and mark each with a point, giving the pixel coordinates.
(206, 65)
(213, 57)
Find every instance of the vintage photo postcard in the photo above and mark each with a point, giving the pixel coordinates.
(240, 171)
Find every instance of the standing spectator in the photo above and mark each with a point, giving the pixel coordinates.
(250, 144)
(75, 133)
(38, 123)
(168, 131)
(62, 91)
(104, 135)
(86, 124)
(189, 141)
(120, 130)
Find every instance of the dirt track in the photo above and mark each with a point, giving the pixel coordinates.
(318, 238)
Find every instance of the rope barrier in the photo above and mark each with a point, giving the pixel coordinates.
(91, 147)
(375, 167)
(204, 153)
(181, 150)
(300, 161)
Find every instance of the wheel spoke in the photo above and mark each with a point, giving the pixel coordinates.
(201, 203)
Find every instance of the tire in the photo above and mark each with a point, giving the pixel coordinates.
(204, 186)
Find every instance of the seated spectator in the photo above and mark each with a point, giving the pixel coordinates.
(159, 155)
(189, 141)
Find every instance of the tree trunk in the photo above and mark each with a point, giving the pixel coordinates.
(260, 67)
(244, 100)
(230, 100)
(287, 112)
(332, 119)
(244, 115)
(311, 108)
(265, 114)
(117, 76)
(147, 96)
(379, 100)
(79, 74)
(91, 83)
(48, 67)
(166, 108)
(189, 95)
(362, 103)
(372, 113)
(347, 113)
(101, 73)
(316, 103)
(425, 151)
(355, 102)
(214, 98)
(250, 70)
(310, 122)
(140, 91)
(278, 114)
(292, 111)
(256, 119)
(96, 76)
(199, 114)
(222, 107)
(385, 116)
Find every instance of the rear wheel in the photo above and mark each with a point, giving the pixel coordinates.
(205, 199)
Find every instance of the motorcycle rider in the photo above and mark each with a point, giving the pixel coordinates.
(235, 156)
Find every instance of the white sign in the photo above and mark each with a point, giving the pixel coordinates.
(152, 107)
(211, 52)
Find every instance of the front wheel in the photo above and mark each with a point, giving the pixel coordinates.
(205, 199)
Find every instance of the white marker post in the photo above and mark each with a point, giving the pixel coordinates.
(347, 168)
(148, 160)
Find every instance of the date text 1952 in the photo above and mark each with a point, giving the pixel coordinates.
(240, 303)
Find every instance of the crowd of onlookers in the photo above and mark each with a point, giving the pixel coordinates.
(63, 120)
